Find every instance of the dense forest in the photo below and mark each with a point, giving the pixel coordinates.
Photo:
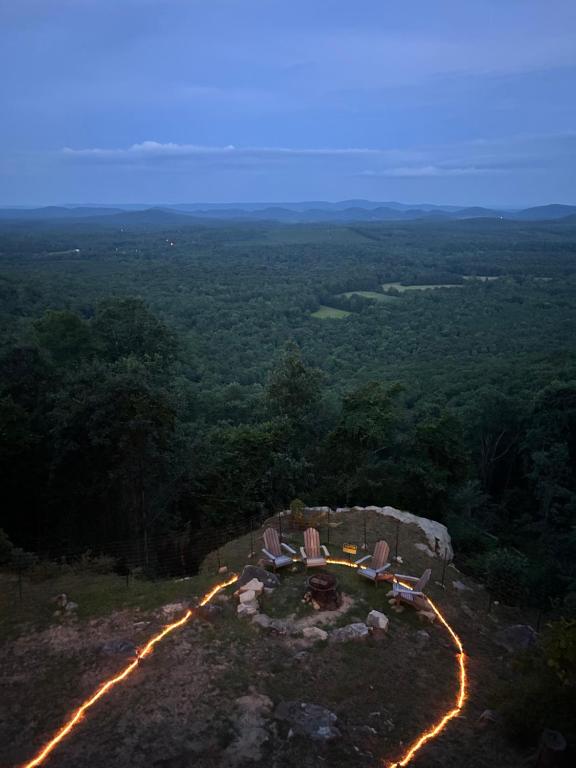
(155, 382)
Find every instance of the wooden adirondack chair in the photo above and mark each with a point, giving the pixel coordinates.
(378, 563)
(273, 549)
(414, 596)
(313, 554)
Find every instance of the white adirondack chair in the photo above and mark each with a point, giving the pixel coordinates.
(273, 549)
(313, 554)
(414, 596)
(378, 562)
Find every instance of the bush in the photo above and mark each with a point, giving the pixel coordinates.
(96, 563)
(507, 575)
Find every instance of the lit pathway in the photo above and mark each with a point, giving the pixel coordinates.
(107, 685)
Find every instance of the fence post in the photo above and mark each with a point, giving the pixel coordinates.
(397, 539)
(251, 539)
(444, 566)
(365, 545)
(279, 525)
(328, 532)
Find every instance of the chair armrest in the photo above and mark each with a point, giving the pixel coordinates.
(406, 578)
(383, 568)
(288, 548)
(326, 553)
(269, 554)
(303, 553)
(362, 559)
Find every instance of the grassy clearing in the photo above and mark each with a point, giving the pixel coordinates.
(330, 313)
(403, 288)
(369, 295)
(482, 278)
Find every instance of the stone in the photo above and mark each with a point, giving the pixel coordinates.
(255, 585)
(60, 600)
(223, 569)
(356, 631)
(436, 533)
(261, 620)
(428, 616)
(377, 620)
(460, 586)
(314, 633)
(247, 609)
(172, 608)
(517, 637)
(120, 647)
(71, 606)
(422, 637)
(424, 548)
(308, 720)
(248, 597)
(249, 572)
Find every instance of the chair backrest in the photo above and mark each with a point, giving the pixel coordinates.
(420, 585)
(312, 542)
(272, 541)
(380, 556)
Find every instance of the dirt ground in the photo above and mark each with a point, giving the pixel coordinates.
(208, 695)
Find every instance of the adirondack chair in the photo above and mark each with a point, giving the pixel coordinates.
(273, 549)
(414, 596)
(378, 563)
(313, 554)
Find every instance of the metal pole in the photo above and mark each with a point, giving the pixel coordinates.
(397, 539)
(251, 538)
(279, 525)
(444, 565)
(328, 532)
(365, 542)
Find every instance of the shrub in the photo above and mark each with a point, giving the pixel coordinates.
(506, 575)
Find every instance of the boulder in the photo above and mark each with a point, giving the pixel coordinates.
(254, 584)
(261, 620)
(356, 631)
(248, 597)
(314, 633)
(308, 720)
(247, 609)
(437, 534)
(517, 637)
(71, 606)
(428, 616)
(172, 608)
(424, 548)
(268, 579)
(460, 586)
(377, 620)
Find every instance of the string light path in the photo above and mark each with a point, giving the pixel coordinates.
(78, 715)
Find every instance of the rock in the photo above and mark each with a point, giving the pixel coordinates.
(254, 585)
(460, 586)
(424, 548)
(223, 569)
(121, 647)
(428, 616)
(315, 605)
(247, 609)
(172, 608)
(71, 606)
(308, 720)
(357, 631)
(314, 633)
(377, 620)
(248, 597)
(517, 637)
(261, 620)
(437, 534)
(60, 600)
(268, 579)
(398, 559)
(422, 637)
(209, 611)
(250, 725)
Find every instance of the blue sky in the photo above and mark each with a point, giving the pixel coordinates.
(470, 102)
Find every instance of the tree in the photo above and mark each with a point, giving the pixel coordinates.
(293, 389)
(65, 336)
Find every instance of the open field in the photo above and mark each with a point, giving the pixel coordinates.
(368, 295)
(330, 313)
(403, 288)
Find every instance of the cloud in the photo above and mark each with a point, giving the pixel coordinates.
(426, 171)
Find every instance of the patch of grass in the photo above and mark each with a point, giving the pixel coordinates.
(402, 288)
(369, 295)
(330, 313)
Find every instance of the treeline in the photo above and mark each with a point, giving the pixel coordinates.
(103, 438)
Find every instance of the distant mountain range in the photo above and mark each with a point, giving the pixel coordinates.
(346, 211)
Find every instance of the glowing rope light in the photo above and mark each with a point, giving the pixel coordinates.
(109, 684)
(149, 647)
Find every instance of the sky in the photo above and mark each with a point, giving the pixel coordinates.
(469, 102)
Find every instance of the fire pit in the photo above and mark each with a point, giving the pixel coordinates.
(323, 590)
